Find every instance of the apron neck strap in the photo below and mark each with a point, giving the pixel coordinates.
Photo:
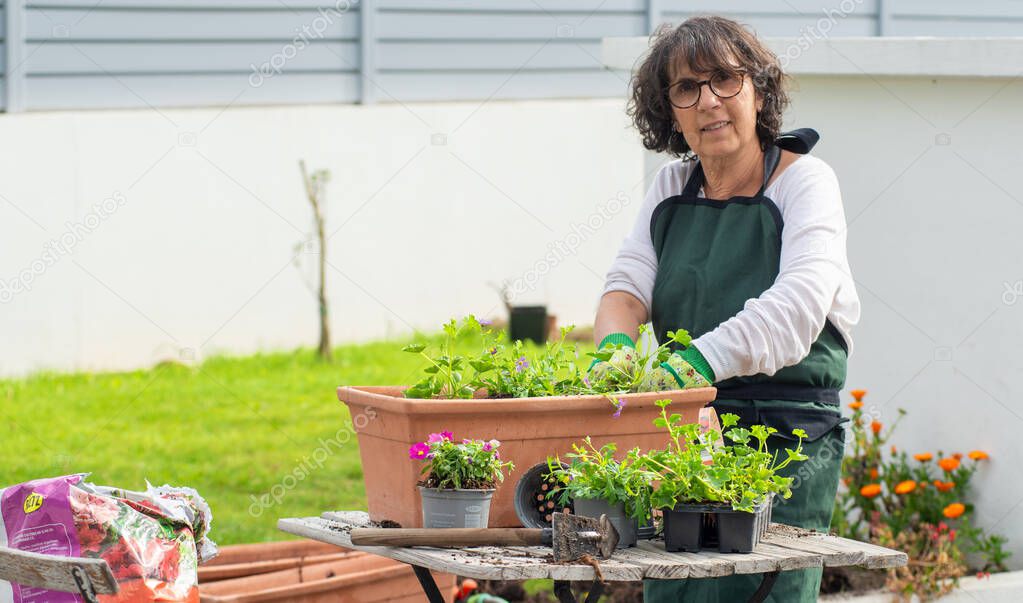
(771, 158)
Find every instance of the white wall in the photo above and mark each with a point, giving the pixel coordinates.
(431, 201)
(929, 170)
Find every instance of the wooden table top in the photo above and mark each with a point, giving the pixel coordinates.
(782, 548)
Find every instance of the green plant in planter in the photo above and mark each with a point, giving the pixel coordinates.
(693, 469)
(504, 370)
(594, 473)
(470, 464)
(450, 374)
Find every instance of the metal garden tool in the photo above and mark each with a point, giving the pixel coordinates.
(572, 537)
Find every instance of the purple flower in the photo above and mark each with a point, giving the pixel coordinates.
(619, 406)
(419, 450)
(487, 447)
(521, 364)
(586, 381)
(485, 322)
(493, 350)
(497, 454)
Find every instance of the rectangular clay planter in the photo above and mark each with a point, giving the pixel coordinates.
(360, 578)
(529, 429)
(237, 560)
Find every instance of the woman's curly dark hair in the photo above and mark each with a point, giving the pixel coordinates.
(705, 44)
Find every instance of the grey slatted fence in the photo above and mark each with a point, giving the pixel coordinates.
(88, 54)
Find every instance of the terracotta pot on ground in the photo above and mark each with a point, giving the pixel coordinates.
(237, 560)
(355, 578)
(529, 429)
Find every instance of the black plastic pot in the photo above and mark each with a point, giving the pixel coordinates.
(527, 322)
(533, 504)
(693, 527)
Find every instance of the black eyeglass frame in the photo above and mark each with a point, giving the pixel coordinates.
(699, 87)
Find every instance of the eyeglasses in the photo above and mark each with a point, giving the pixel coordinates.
(684, 94)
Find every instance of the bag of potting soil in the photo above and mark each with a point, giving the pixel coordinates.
(152, 540)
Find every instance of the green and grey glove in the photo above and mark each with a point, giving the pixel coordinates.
(622, 362)
(682, 370)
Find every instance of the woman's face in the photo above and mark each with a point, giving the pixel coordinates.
(714, 126)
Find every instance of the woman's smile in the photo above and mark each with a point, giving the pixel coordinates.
(717, 125)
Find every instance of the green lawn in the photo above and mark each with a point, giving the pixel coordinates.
(232, 428)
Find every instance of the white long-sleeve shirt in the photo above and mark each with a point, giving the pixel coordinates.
(814, 282)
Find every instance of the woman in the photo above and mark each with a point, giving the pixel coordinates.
(742, 243)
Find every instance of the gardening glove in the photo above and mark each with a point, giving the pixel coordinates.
(623, 357)
(682, 370)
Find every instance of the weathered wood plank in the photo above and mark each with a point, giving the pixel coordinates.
(53, 572)
(783, 548)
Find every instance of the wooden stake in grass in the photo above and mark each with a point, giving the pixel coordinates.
(316, 190)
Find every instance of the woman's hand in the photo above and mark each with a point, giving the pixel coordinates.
(678, 372)
(621, 366)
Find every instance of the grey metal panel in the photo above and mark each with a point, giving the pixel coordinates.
(97, 92)
(480, 85)
(72, 24)
(184, 57)
(778, 25)
(751, 8)
(574, 6)
(403, 25)
(494, 56)
(917, 26)
(189, 4)
(986, 9)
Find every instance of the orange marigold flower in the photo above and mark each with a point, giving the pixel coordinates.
(958, 456)
(944, 486)
(924, 484)
(858, 394)
(876, 426)
(894, 449)
(954, 510)
(905, 487)
(978, 455)
(923, 457)
(856, 405)
(873, 473)
(870, 490)
(949, 463)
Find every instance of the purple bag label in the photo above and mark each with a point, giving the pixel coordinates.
(37, 518)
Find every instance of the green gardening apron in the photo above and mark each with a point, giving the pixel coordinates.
(713, 256)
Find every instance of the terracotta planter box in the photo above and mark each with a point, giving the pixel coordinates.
(529, 429)
(239, 560)
(359, 578)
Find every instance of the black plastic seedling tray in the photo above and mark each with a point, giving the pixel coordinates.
(694, 527)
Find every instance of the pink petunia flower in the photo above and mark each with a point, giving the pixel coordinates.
(419, 450)
(436, 438)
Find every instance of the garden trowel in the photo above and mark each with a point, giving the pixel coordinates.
(572, 537)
